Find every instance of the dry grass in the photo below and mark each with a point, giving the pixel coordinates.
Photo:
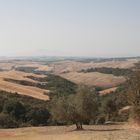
(39, 67)
(24, 90)
(114, 132)
(108, 91)
(62, 66)
(70, 70)
(118, 64)
(73, 66)
(94, 78)
(8, 65)
(21, 89)
(18, 75)
(125, 109)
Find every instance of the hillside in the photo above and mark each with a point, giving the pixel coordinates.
(71, 70)
(72, 66)
(19, 71)
(94, 79)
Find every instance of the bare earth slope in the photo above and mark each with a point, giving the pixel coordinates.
(113, 132)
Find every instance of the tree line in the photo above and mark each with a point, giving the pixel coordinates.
(114, 71)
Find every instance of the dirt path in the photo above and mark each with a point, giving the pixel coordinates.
(113, 132)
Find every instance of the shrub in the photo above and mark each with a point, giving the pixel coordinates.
(7, 122)
(100, 120)
(16, 109)
(22, 111)
(38, 116)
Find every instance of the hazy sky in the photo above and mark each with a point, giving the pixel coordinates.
(103, 28)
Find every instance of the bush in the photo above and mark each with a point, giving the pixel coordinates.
(38, 116)
(22, 111)
(7, 121)
(1, 105)
(100, 120)
(16, 109)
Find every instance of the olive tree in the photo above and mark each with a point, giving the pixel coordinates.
(76, 108)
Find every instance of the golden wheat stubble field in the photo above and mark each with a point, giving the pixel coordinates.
(100, 132)
(21, 89)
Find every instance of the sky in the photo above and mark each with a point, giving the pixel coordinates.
(89, 28)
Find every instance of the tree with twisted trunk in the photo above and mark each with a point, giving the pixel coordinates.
(76, 108)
